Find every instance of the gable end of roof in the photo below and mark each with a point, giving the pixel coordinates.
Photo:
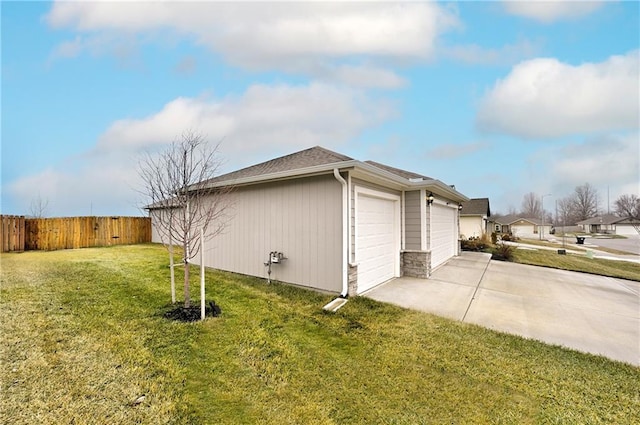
(314, 156)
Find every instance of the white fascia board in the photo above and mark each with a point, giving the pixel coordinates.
(439, 188)
(362, 168)
(523, 219)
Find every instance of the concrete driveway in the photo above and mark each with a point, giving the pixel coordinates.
(589, 313)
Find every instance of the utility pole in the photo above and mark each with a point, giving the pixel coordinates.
(542, 206)
(555, 222)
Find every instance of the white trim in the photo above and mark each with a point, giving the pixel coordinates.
(429, 234)
(434, 186)
(423, 220)
(403, 229)
(449, 204)
(345, 232)
(349, 186)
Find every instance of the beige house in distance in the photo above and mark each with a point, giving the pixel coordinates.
(335, 224)
(522, 227)
(474, 218)
(610, 224)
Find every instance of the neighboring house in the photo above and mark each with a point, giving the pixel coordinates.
(522, 227)
(610, 224)
(474, 217)
(341, 225)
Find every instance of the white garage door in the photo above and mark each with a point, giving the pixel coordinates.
(626, 229)
(377, 240)
(444, 236)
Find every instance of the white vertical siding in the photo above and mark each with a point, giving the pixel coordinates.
(300, 218)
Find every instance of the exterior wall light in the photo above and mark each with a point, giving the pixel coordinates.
(430, 199)
(459, 207)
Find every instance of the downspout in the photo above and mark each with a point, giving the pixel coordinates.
(345, 233)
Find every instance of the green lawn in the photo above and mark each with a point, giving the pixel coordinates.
(573, 246)
(578, 263)
(83, 336)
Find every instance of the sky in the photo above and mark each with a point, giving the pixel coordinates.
(497, 98)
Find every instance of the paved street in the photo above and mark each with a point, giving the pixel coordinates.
(631, 244)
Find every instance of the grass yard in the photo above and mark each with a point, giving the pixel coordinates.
(578, 263)
(83, 337)
(571, 246)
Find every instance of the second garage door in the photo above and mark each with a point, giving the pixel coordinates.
(626, 229)
(444, 238)
(377, 239)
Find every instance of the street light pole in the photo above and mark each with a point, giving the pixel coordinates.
(542, 205)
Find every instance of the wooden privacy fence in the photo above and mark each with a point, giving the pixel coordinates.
(12, 233)
(49, 234)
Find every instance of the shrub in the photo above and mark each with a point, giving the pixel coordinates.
(508, 237)
(476, 243)
(473, 244)
(503, 252)
(494, 238)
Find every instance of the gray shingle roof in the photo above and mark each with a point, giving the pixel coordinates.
(603, 219)
(320, 160)
(476, 206)
(509, 219)
(398, 172)
(306, 158)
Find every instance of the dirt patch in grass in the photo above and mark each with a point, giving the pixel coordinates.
(193, 313)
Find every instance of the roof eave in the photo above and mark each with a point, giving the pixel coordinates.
(442, 189)
(364, 169)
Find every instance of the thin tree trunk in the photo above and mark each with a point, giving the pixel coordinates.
(187, 297)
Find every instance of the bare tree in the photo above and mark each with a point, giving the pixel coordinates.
(182, 199)
(565, 211)
(531, 205)
(584, 202)
(580, 205)
(628, 206)
(38, 207)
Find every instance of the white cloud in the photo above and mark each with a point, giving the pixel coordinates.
(289, 36)
(278, 29)
(365, 77)
(262, 118)
(544, 98)
(101, 185)
(608, 160)
(261, 123)
(473, 54)
(549, 11)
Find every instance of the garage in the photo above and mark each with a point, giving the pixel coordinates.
(377, 237)
(626, 230)
(444, 233)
